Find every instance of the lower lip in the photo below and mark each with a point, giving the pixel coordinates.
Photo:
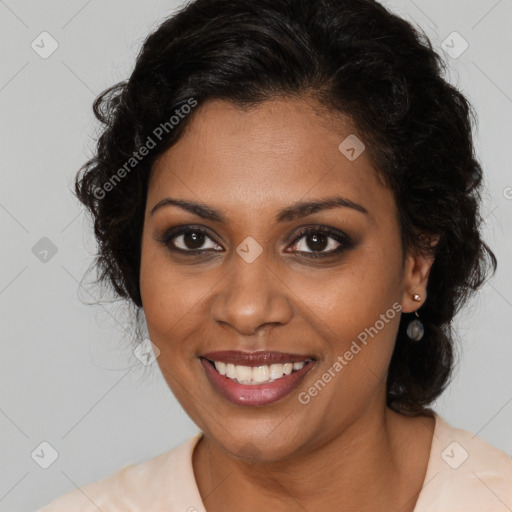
(255, 394)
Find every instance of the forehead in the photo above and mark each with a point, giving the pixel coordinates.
(273, 153)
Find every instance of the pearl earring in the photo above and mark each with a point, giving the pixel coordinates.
(415, 329)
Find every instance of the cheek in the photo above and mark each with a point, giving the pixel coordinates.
(364, 287)
(160, 289)
(359, 333)
(359, 311)
(360, 318)
(169, 301)
(173, 301)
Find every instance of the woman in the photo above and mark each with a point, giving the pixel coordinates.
(287, 189)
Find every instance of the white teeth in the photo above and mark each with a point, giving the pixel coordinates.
(257, 374)
(243, 373)
(276, 371)
(260, 373)
(221, 367)
(231, 371)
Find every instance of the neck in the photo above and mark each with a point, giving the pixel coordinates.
(364, 467)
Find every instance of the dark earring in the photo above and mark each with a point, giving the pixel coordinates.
(415, 328)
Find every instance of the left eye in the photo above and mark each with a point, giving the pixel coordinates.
(320, 242)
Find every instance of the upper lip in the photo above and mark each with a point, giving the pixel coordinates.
(259, 358)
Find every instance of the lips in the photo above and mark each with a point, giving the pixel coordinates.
(253, 394)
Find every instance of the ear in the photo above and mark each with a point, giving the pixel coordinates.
(416, 272)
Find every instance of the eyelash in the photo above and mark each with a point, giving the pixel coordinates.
(340, 237)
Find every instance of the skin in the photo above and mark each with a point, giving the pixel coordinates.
(344, 448)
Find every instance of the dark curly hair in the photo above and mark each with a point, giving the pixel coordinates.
(353, 57)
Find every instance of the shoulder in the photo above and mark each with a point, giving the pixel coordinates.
(135, 486)
(465, 473)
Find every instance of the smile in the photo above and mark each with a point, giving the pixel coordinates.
(251, 382)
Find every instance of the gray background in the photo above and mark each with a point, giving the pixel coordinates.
(68, 377)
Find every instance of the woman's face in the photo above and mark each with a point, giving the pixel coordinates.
(247, 280)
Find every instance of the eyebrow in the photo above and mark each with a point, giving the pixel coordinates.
(297, 210)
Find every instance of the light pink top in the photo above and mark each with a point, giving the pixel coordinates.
(464, 474)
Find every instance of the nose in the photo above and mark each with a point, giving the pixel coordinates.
(251, 297)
